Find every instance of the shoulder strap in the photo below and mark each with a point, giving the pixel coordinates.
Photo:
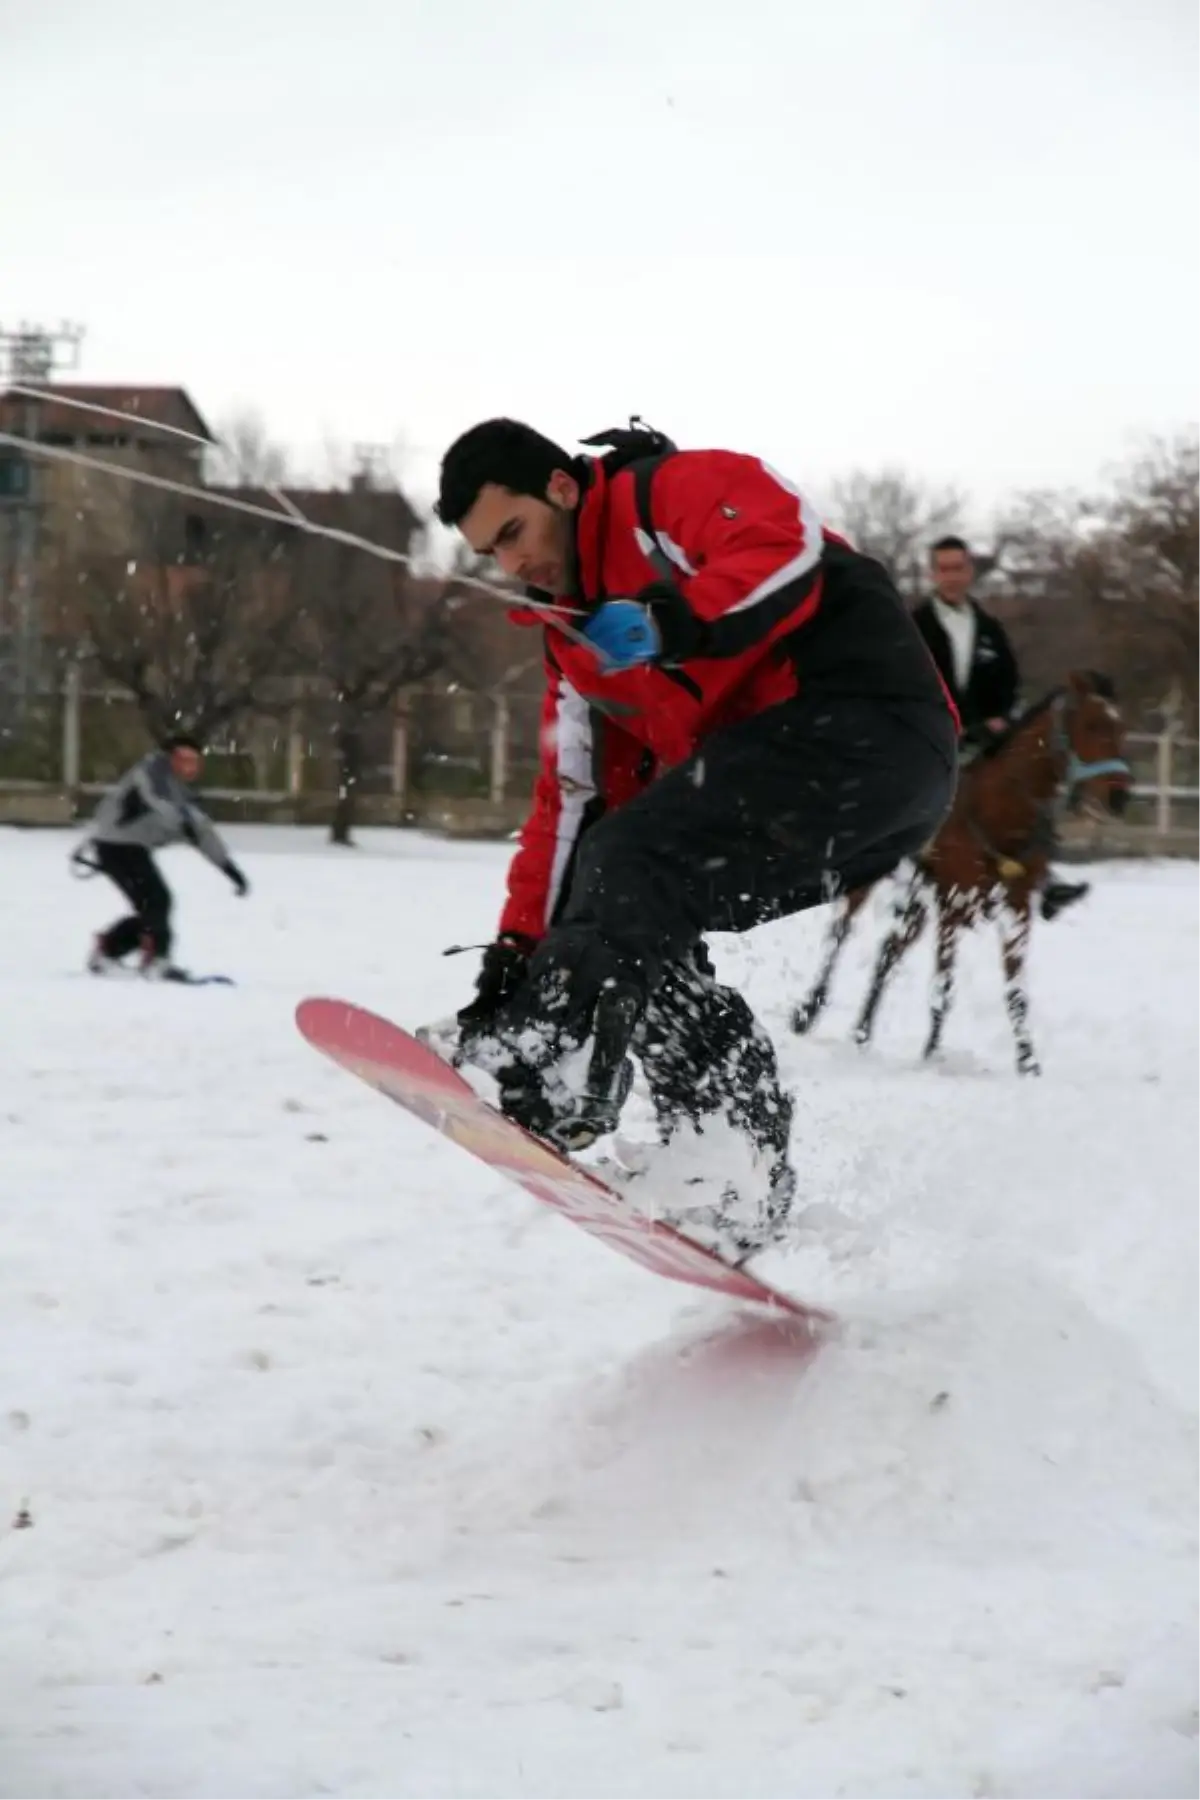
(639, 449)
(643, 491)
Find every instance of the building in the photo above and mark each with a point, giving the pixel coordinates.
(48, 505)
(179, 591)
(156, 427)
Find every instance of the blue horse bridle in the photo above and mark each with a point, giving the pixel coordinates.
(1078, 771)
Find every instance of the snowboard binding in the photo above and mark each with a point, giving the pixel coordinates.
(593, 1112)
(533, 1071)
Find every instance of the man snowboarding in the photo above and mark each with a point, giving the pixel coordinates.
(975, 658)
(740, 720)
(149, 808)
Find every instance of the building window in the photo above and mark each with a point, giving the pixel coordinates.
(195, 537)
(14, 477)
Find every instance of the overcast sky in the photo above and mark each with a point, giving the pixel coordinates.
(958, 235)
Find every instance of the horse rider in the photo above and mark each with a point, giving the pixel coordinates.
(975, 657)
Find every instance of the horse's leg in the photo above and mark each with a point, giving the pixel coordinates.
(949, 925)
(903, 934)
(1014, 941)
(812, 1006)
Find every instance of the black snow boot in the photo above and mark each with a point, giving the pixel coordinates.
(1058, 895)
(708, 1062)
(579, 995)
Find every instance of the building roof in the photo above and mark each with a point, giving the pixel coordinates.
(339, 508)
(156, 405)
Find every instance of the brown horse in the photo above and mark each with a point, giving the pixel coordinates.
(990, 856)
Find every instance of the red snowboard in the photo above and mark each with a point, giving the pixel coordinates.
(387, 1058)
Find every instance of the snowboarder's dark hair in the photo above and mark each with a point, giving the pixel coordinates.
(503, 451)
(183, 740)
(950, 542)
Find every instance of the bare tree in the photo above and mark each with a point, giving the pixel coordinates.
(893, 517)
(190, 616)
(245, 454)
(1111, 581)
(1046, 587)
(1155, 525)
(367, 626)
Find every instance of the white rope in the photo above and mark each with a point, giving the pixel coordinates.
(133, 418)
(292, 515)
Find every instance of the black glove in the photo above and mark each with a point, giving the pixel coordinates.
(681, 634)
(501, 973)
(241, 886)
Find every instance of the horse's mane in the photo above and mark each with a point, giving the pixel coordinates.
(1101, 684)
(1003, 739)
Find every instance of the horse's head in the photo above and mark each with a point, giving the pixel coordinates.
(1098, 775)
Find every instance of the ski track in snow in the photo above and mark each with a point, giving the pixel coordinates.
(350, 1471)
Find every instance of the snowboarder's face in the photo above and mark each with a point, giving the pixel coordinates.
(953, 573)
(529, 538)
(186, 764)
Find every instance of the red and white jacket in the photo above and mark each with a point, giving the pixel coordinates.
(787, 607)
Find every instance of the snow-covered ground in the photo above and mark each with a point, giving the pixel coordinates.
(349, 1471)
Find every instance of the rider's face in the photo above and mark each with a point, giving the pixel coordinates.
(953, 573)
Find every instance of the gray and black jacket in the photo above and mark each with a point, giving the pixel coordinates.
(151, 807)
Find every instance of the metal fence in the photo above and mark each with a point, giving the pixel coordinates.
(439, 747)
(434, 741)
(1167, 780)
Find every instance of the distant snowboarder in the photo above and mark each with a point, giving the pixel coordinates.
(148, 809)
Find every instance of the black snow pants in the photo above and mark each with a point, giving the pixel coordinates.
(772, 816)
(782, 812)
(132, 869)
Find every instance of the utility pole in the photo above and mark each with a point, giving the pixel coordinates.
(30, 355)
(371, 470)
